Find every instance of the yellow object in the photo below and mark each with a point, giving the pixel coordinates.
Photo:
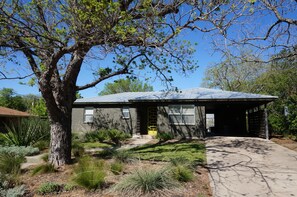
(152, 121)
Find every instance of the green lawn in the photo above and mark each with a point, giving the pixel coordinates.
(192, 150)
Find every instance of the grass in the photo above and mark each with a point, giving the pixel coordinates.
(89, 173)
(193, 151)
(146, 181)
(88, 145)
(116, 167)
(43, 169)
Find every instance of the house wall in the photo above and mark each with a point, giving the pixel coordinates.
(197, 130)
(108, 117)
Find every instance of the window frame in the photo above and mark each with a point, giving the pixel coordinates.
(88, 115)
(126, 112)
(180, 114)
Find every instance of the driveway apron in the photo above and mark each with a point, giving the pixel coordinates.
(241, 166)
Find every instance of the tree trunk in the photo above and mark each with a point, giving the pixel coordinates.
(60, 145)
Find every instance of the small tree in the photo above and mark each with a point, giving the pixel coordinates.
(125, 85)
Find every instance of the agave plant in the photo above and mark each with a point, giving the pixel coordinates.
(25, 132)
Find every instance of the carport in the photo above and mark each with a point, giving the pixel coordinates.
(238, 117)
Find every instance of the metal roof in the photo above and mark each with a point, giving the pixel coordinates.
(196, 94)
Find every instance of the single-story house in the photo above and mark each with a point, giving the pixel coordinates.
(187, 113)
(8, 115)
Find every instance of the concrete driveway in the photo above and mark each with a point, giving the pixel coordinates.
(241, 166)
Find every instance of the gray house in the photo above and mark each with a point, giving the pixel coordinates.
(188, 113)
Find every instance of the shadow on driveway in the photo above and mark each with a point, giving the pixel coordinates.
(241, 166)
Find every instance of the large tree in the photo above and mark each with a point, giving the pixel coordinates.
(58, 37)
(9, 98)
(125, 85)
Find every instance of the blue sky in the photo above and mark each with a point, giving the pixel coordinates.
(203, 55)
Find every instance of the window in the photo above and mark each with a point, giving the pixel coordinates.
(89, 115)
(126, 112)
(182, 114)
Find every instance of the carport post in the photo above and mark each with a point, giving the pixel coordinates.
(266, 124)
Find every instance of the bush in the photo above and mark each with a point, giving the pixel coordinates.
(89, 173)
(116, 167)
(117, 136)
(163, 137)
(26, 132)
(182, 173)
(43, 169)
(122, 156)
(146, 182)
(19, 150)
(10, 167)
(42, 145)
(94, 136)
(49, 187)
(17, 191)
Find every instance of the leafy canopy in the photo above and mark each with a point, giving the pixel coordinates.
(125, 85)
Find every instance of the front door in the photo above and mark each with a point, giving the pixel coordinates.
(152, 120)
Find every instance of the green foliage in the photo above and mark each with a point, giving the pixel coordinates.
(88, 145)
(107, 153)
(77, 149)
(8, 98)
(125, 85)
(117, 136)
(26, 132)
(17, 191)
(44, 169)
(19, 150)
(122, 156)
(49, 188)
(116, 167)
(69, 187)
(89, 173)
(182, 173)
(146, 182)
(194, 151)
(10, 167)
(163, 137)
(94, 136)
(42, 144)
(39, 108)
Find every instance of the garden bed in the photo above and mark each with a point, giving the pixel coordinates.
(147, 157)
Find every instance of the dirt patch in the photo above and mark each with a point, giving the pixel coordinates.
(288, 143)
(198, 187)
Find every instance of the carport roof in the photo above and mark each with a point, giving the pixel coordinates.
(7, 112)
(195, 94)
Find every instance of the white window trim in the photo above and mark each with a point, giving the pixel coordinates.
(182, 114)
(125, 110)
(90, 115)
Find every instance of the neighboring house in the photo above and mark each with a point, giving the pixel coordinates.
(183, 113)
(8, 116)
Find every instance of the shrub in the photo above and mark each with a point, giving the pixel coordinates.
(116, 167)
(49, 187)
(69, 187)
(94, 136)
(182, 173)
(122, 156)
(10, 166)
(19, 150)
(181, 161)
(43, 169)
(89, 173)
(17, 191)
(117, 136)
(42, 145)
(146, 182)
(107, 153)
(163, 137)
(26, 132)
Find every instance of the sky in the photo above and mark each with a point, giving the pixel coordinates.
(203, 55)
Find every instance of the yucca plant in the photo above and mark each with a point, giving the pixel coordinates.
(146, 182)
(25, 132)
